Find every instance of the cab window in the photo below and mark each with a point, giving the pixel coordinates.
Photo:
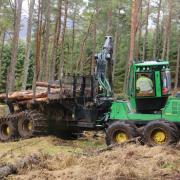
(166, 82)
(145, 84)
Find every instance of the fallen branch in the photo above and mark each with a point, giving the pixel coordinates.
(108, 148)
(9, 169)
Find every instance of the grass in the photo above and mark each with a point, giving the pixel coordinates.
(78, 159)
(47, 145)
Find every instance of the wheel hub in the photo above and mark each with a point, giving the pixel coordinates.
(5, 130)
(27, 126)
(121, 137)
(30, 126)
(159, 137)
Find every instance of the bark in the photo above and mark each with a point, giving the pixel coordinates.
(93, 61)
(169, 27)
(28, 44)
(45, 67)
(177, 77)
(138, 49)
(146, 31)
(166, 42)
(156, 42)
(1, 54)
(134, 14)
(37, 48)
(17, 16)
(55, 41)
(73, 33)
(134, 26)
(109, 19)
(115, 49)
(109, 32)
(45, 84)
(38, 42)
(61, 67)
(28, 94)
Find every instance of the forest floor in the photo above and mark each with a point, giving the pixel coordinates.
(82, 159)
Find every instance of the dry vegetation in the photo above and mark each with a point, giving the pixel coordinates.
(80, 159)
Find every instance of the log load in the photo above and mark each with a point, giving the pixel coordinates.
(42, 94)
(27, 95)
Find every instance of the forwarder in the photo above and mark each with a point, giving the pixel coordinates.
(150, 111)
(77, 103)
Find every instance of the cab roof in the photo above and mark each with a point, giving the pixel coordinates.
(151, 63)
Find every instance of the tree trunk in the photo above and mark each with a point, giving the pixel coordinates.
(134, 25)
(166, 41)
(138, 48)
(38, 42)
(73, 32)
(109, 33)
(146, 31)
(1, 54)
(17, 16)
(55, 41)
(37, 48)
(115, 49)
(109, 19)
(177, 68)
(61, 67)
(28, 44)
(93, 61)
(156, 42)
(45, 67)
(170, 2)
(134, 14)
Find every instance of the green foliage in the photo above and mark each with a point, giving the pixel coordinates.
(80, 13)
(6, 58)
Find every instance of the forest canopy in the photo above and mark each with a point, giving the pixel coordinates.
(42, 39)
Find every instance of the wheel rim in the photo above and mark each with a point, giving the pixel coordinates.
(27, 126)
(5, 130)
(159, 136)
(120, 137)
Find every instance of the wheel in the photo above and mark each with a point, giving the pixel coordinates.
(160, 133)
(119, 132)
(32, 124)
(8, 130)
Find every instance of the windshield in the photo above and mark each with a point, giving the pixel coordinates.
(166, 82)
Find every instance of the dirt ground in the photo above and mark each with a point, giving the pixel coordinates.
(81, 160)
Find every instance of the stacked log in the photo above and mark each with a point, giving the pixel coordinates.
(44, 92)
(41, 93)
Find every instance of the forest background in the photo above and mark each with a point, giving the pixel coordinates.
(52, 37)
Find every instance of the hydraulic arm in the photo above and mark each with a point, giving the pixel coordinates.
(103, 59)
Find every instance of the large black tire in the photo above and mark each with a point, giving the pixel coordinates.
(33, 124)
(8, 129)
(160, 133)
(125, 130)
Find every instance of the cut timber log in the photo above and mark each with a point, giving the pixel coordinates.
(27, 95)
(45, 84)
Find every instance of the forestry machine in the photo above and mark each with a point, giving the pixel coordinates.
(65, 107)
(76, 103)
